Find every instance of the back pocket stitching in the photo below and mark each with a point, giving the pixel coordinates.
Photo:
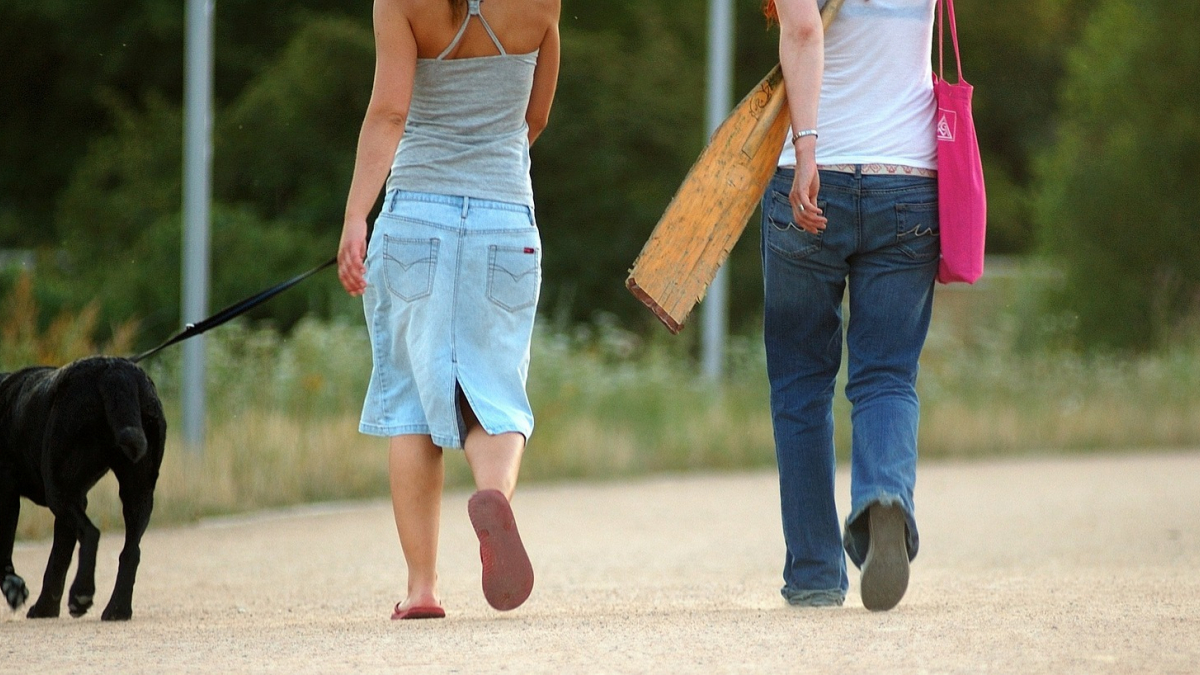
(812, 242)
(906, 235)
(391, 262)
(494, 266)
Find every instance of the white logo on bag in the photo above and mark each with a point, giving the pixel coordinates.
(947, 120)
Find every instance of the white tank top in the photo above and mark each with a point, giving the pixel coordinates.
(877, 103)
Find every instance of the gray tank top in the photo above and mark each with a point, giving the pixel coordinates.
(466, 133)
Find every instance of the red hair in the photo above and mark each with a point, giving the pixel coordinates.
(771, 13)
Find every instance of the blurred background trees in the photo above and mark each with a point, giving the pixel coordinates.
(1118, 194)
(1086, 114)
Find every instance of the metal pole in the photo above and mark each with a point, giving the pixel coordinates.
(197, 195)
(720, 100)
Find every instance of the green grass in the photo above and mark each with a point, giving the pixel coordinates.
(283, 410)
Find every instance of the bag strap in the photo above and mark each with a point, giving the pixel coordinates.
(942, 40)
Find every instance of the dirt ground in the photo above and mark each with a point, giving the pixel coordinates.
(1054, 565)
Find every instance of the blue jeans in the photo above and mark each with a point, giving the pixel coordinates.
(882, 236)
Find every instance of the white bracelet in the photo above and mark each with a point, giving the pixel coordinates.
(802, 133)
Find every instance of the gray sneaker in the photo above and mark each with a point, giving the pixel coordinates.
(885, 571)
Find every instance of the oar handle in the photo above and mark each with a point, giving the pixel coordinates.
(830, 11)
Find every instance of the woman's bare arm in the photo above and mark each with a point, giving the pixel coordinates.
(802, 56)
(545, 79)
(383, 125)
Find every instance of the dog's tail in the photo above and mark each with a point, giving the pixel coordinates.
(120, 388)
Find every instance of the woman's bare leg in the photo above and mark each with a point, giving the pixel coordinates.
(495, 460)
(416, 472)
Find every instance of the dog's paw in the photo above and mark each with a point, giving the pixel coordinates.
(42, 611)
(15, 591)
(115, 613)
(78, 605)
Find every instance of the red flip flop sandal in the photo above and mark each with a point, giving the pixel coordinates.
(422, 612)
(507, 573)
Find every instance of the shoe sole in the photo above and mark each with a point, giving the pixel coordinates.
(885, 572)
(507, 573)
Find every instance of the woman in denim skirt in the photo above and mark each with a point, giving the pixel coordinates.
(854, 202)
(451, 276)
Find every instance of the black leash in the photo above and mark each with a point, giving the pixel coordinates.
(194, 329)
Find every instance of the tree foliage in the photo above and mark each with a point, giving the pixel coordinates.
(1118, 201)
(626, 123)
(284, 151)
(65, 62)
(90, 167)
(1014, 54)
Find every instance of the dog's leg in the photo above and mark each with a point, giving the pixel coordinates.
(83, 589)
(49, 602)
(136, 505)
(13, 586)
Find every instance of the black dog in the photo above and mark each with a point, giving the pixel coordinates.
(61, 430)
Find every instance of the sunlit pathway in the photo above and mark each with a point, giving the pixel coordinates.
(1056, 565)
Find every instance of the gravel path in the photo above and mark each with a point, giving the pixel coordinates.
(1056, 565)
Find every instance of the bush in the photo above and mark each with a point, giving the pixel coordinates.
(1117, 202)
(286, 151)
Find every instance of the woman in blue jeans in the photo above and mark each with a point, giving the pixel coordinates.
(852, 204)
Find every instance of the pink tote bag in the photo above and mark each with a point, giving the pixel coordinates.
(962, 203)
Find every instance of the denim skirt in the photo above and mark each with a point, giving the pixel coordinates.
(452, 291)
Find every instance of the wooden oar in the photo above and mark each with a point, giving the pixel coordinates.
(710, 209)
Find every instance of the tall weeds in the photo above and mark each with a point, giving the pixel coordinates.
(282, 415)
(24, 342)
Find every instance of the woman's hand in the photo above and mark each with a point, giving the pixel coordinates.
(352, 252)
(805, 186)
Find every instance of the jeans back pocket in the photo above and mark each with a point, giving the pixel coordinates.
(408, 266)
(918, 231)
(782, 234)
(513, 276)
